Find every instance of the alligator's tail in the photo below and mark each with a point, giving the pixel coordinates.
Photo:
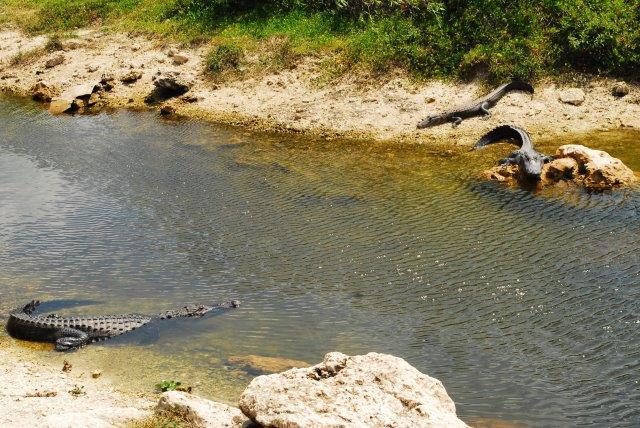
(30, 307)
(519, 85)
(198, 311)
(513, 134)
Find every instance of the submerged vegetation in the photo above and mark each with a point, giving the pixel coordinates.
(428, 38)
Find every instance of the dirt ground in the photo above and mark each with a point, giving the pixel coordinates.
(294, 101)
(41, 395)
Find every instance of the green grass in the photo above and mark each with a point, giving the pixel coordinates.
(427, 38)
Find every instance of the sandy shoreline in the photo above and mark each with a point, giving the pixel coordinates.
(35, 394)
(293, 101)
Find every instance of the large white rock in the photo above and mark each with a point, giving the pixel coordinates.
(200, 412)
(373, 390)
(601, 170)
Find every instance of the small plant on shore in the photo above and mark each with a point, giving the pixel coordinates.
(168, 385)
(223, 57)
(53, 44)
(77, 391)
(24, 57)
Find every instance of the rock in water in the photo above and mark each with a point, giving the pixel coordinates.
(573, 96)
(200, 412)
(259, 363)
(60, 105)
(373, 390)
(601, 170)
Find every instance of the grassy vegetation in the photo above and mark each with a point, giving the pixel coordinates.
(428, 38)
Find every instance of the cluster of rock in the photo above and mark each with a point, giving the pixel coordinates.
(373, 390)
(573, 163)
(91, 96)
(576, 96)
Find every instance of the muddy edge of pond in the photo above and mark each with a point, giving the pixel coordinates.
(297, 100)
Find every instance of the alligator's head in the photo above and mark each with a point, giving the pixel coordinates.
(432, 120)
(531, 164)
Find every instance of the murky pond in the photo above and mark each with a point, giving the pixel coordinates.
(526, 306)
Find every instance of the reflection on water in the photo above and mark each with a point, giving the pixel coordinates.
(525, 306)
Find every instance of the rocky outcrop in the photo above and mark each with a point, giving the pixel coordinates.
(168, 85)
(573, 96)
(43, 92)
(261, 364)
(572, 164)
(199, 412)
(373, 390)
(598, 169)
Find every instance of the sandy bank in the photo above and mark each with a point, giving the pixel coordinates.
(45, 396)
(296, 100)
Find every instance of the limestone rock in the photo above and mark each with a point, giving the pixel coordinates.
(79, 91)
(374, 390)
(601, 170)
(573, 96)
(60, 105)
(56, 60)
(200, 412)
(168, 85)
(258, 363)
(559, 169)
(43, 92)
(179, 59)
(131, 77)
(620, 89)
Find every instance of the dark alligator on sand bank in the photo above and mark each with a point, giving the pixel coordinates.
(528, 159)
(477, 108)
(69, 333)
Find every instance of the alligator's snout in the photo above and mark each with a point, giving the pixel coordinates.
(532, 166)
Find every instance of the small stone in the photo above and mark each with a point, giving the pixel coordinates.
(77, 104)
(107, 86)
(91, 68)
(96, 374)
(107, 78)
(59, 105)
(167, 110)
(93, 99)
(429, 100)
(131, 77)
(180, 59)
(620, 89)
(56, 60)
(190, 98)
(135, 48)
(66, 366)
(573, 96)
(43, 92)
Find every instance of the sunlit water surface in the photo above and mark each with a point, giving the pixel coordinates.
(525, 306)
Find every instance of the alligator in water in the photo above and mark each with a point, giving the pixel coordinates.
(477, 108)
(529, 160)
(69, 333)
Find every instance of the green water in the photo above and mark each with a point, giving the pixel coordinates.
(525, 306)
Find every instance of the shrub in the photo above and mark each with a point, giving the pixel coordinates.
(223, 57)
